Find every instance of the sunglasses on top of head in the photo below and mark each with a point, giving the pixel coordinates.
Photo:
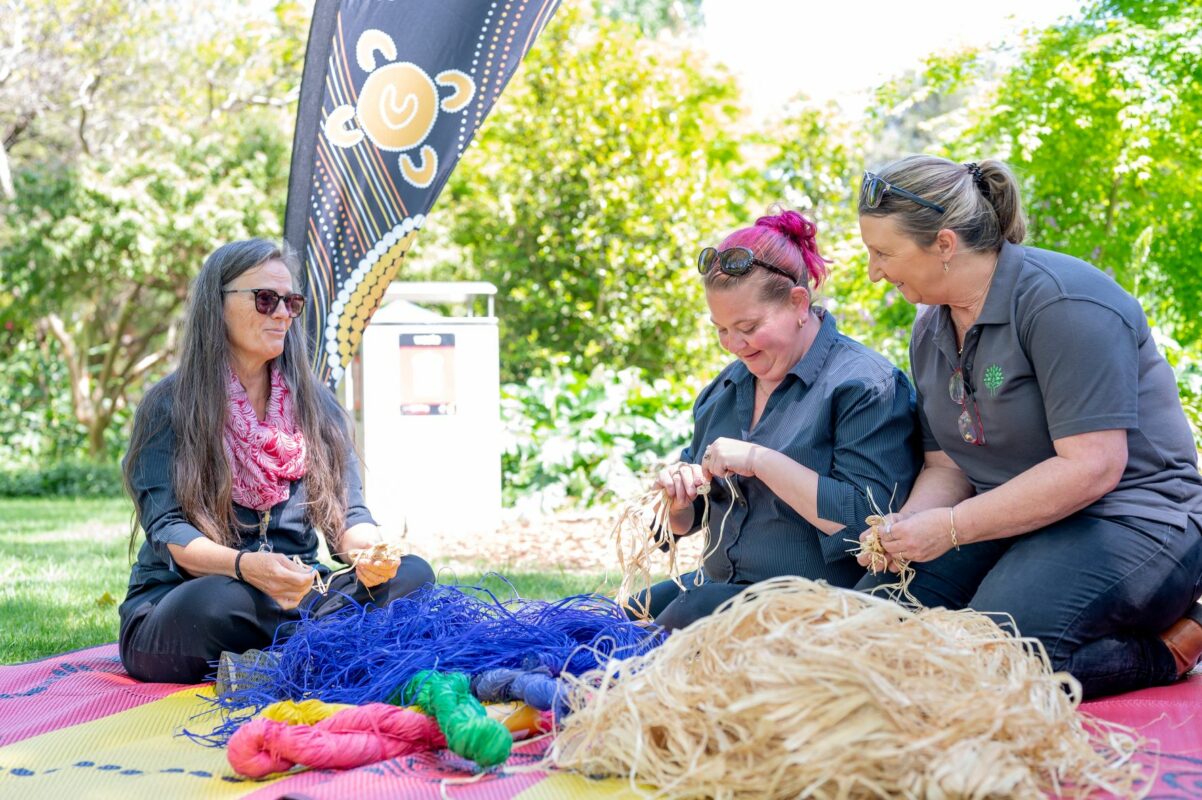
(874, 189)
(268, 300)
(736, 261)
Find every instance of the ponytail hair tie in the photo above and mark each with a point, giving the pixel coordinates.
(977, 177)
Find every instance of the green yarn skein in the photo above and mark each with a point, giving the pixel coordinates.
(470, 732)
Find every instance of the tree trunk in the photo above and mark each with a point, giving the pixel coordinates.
(96, 429)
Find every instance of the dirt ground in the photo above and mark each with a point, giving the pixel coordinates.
(574, 542)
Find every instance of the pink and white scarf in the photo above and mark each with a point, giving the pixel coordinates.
(264, 456)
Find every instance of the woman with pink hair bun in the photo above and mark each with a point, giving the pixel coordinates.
(805, 424)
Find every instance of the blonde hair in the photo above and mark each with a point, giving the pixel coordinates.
(981, 201)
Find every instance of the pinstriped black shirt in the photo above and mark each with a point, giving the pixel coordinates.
(843, 411)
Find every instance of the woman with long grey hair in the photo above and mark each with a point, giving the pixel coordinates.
(236, 460)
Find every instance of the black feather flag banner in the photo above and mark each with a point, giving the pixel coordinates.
(392, 93)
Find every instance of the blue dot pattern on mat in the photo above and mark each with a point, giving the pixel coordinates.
(129, 772)
(63, 670)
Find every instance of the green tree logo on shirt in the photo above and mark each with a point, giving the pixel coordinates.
(993, 378)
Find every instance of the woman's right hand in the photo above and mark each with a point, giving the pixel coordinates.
(681, 481)
(278, 576)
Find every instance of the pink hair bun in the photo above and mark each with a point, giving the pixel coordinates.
(803, 233)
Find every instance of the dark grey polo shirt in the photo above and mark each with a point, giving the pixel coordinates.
(1059, 349)
(843, 411)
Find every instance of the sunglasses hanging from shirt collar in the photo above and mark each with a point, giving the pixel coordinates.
(959, 389)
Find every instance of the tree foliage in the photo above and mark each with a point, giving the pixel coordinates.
(75, 77)
(103, 78)
(135, 135)
(592, 438)
(1102, 119)
(654, 16)
(122, 175)
(586, 196)
(99, 256)
(814, 165)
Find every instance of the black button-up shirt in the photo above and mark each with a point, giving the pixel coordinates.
(288, 532)
(843, 411)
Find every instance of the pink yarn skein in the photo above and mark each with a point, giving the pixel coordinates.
(351, 738)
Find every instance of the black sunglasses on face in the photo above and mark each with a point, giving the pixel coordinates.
(874, 189)
(268, 300)
(736, 261)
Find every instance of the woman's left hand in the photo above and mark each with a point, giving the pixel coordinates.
(369, 572)
(377, 571)
(921, 536)
(726, 455)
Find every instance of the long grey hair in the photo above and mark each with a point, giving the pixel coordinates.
(197, 396)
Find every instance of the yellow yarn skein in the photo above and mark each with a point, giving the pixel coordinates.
(306, 712)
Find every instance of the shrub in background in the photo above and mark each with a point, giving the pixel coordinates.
(64, 479)
(1186, 361)
(576, 439)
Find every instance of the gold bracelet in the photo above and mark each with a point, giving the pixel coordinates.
(952, 514)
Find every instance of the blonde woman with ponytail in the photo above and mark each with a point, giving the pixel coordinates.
(1060, 483)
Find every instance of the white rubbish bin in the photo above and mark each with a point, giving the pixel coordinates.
(426, 399)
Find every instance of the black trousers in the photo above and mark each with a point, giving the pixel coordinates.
(1096, 592)
(174, 636)
(674, 609)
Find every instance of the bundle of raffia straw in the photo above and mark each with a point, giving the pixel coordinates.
(640, 531)
(380, 551)
(800, 690)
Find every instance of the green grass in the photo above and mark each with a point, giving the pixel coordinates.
(536, 585)
(64, 569)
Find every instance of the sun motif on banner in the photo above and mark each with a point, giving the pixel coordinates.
(398, 107)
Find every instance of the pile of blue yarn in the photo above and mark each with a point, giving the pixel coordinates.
(513, 649)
